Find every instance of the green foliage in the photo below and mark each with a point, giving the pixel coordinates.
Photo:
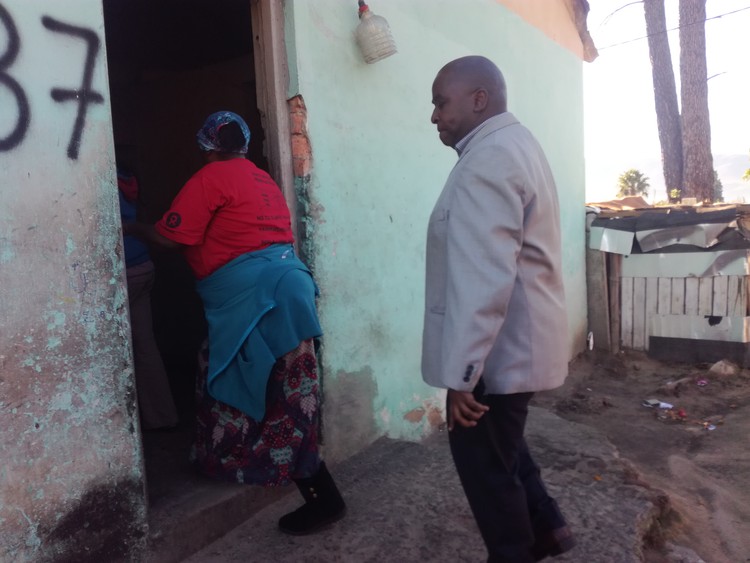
(746, 175)
(675, 195)
(632, 182)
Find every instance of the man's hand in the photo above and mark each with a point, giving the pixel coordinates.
(464, 409)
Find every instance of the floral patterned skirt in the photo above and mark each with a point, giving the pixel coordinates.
(231, 446)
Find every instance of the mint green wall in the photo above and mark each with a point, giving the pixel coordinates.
(378, 167)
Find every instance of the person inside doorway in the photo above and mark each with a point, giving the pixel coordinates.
(258, 397)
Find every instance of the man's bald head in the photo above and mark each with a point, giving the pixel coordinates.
(479, 72)
(466, 92)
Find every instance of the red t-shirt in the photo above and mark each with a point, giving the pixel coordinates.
(226, 209)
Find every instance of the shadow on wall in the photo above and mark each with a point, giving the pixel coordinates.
(101, 527)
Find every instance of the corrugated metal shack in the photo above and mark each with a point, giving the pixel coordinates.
(672, 281)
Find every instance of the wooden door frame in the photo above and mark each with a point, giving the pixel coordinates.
(272, 82)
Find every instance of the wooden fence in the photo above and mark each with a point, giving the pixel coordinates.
(644, 298)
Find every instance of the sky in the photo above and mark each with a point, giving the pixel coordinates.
(620, 121)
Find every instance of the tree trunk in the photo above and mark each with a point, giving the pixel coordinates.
(696, 129)
(665, 95)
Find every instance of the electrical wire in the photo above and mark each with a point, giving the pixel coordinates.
(672, 29)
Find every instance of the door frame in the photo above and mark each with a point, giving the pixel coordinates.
(272, 82)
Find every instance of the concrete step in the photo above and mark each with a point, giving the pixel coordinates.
(188, 511)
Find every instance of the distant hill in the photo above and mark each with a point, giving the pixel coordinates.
(730, 168)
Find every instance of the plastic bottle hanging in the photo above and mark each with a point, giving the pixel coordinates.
(374, 35)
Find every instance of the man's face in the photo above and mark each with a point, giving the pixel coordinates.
(454, 112)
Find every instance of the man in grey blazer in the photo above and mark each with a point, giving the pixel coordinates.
(495, 327)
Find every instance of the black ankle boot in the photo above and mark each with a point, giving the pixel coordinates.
(323, 505)
(553, 543)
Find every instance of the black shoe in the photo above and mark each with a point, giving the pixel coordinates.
(553, 543)
(323, 505)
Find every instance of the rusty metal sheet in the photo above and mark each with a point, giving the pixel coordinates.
(703, 235)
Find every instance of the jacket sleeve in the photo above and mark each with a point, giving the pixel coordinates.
(484, 239)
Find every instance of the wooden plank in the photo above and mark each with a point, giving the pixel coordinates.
(736, 296)
(652, 300)
(272, 79)
(697, 327)
(598, 298)
(719, 308)
(614, 267)
(705, 296)
(678, 296)
(626, 312)
(691, 296)
(640, 335)
(664, 298)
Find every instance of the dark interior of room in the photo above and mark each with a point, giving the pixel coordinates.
(171, 63)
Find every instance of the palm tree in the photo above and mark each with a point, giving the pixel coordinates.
(632, 182)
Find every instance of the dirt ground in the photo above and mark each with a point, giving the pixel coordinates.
(697, 451)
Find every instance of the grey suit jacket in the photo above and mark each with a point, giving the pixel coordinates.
(494, 302)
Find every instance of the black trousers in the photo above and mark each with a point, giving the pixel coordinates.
(502, 482)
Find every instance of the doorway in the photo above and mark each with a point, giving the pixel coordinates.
(171, 63)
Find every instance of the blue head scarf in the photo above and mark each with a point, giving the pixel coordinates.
(208, 135)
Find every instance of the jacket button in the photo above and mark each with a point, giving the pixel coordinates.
(467, 374)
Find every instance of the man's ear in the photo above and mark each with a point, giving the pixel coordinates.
(481, 98)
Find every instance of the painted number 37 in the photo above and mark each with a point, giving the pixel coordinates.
(83, 95)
